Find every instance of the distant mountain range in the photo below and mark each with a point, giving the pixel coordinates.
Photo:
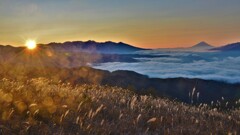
(206, 46)
(200, 47)
(229, 47)
(110, 47)
(93, 47)
(203, 46)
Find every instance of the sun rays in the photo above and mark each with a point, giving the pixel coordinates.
(31, 44)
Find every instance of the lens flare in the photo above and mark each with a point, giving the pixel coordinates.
(31, 44)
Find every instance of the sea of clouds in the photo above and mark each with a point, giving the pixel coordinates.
(221, 66)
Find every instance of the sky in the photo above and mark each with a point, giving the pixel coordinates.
(142, 23)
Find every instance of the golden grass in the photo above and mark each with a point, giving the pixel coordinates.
(41, 106)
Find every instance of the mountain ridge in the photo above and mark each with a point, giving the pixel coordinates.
(108, 47)
(229, 47)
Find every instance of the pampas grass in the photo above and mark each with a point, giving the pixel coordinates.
(42, 106)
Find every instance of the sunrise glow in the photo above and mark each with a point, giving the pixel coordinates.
(31, 44)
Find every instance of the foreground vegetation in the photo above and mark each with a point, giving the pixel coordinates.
(41, 106)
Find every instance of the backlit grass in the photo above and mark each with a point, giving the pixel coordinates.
(41, 106)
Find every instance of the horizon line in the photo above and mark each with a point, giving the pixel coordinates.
(120, 42)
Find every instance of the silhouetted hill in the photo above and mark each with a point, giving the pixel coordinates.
(229, 47)
(94, 47)
(178, 88)
(9, 48)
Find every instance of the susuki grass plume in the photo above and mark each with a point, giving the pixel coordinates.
(42, 106)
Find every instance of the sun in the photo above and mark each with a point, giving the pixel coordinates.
(31, 44)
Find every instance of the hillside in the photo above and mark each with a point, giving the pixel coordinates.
(206, 91)
(229, 47)
(46, 57)
(40, 106)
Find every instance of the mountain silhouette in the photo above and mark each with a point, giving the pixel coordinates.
(229, 47)
(93, 47)
(202, 45)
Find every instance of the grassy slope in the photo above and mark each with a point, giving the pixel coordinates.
(40, 106)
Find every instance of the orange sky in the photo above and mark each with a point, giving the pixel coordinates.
(155, 24)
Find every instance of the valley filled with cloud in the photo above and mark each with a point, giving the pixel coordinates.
(221, 66)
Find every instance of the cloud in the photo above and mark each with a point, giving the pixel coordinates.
(209, 66)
